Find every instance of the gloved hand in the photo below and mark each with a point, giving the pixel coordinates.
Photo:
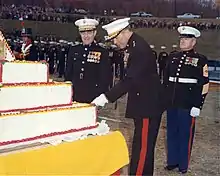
(195, 112)
(101, 100)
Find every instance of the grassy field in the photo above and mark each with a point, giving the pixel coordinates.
(208, 44)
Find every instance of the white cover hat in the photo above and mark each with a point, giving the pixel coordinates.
(163, 47)
(61, 41)
(152, 46)
(115, 27)
(189, 32)
(86, 24)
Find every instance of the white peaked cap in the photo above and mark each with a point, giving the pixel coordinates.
(86, 24)
(61, 41)
(163, 47)
(189, 32)
(115, 27)
(152, 46)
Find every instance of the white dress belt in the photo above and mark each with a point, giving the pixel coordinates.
(183, 80)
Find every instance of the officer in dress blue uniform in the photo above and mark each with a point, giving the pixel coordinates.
(142, 84)
(162, 60)
(42, 51)
(174, 49)
(154, 52)
(186, 85)
(52, 57)
(62, 57)
(88, 64)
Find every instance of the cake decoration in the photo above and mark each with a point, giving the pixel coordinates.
(5, 50)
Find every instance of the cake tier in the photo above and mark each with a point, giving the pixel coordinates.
(34, 96)
(23, 72)
(34, 126)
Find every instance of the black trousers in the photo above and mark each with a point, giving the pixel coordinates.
(61, 66)
(144, 140)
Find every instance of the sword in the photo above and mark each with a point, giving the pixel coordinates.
(114, 69)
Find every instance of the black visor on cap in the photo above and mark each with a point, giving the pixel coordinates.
(187, 36)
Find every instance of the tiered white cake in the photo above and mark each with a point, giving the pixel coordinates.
(33, 109)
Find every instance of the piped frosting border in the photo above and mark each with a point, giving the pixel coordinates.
(51, 109)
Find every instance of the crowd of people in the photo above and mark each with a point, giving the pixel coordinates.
(55, 51)
(34, 13)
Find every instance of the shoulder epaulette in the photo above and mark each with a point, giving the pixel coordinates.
(102, 45)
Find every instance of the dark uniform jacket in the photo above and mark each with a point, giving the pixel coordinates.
(155, 55)
(89, 69)
(162, 59)
(186, 80)
(141, 81)
(33, 54)
(28, 52)
(42, 52)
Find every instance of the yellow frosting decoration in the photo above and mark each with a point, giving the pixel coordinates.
(26, 62)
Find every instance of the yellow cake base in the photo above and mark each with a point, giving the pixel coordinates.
(98, 155)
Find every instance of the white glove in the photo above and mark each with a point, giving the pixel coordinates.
(195, 112)
(101, 100)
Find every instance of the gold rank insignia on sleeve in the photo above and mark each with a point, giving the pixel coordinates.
(94, 57)
(205, 89)
(205, 71)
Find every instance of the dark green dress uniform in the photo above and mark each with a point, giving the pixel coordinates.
(88, 68)
(186, 85)
(142, 84)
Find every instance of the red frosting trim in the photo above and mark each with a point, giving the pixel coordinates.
(46, 135)
(36, 84)
(37, 108)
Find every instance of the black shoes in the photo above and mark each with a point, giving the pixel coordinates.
(171, 167)
(183, 171)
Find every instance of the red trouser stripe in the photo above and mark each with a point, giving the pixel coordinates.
(143, 153)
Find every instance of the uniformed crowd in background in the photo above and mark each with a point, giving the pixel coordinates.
(61, 15)
(174, 24)
(56, 54)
